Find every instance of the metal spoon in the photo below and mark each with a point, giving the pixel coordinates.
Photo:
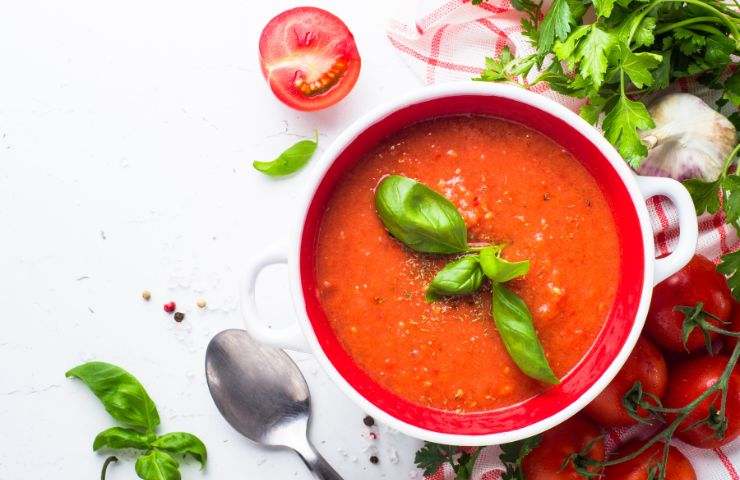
(263, 395)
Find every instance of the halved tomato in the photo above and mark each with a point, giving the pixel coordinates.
(309, 58)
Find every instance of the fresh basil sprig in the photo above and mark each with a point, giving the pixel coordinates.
(425, 221)
(459, 277)
(419, 217)
(291, 160)
(128, 402)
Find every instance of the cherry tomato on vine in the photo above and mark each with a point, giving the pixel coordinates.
(699, 281)
(646, 365)
(545, 462)
(687, 381)
(309, 58)
(678, 466)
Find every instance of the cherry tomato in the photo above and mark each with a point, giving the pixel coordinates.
(646, 365)
(545, 462)
(309, 58)
(689, 379)
(699, 281)
(677, 468)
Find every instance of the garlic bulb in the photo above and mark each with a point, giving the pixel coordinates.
(690, 139)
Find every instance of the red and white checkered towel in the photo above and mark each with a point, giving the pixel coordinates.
(446, 40)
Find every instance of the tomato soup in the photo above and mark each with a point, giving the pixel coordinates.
(513, 186)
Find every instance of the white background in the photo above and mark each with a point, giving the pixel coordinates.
(127, 132)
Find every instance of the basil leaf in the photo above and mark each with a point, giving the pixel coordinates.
(122, 395)
(182, 443)
(514, 324)
(419, 217)
(498, 269)
(459, 277)
(117, 438)
(157, 465)
(291, 160)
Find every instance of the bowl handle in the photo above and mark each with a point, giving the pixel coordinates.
(687, 222)
(290, 337)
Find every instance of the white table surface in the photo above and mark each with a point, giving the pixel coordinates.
(127, 132)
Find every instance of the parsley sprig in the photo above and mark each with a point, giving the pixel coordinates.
(631, 49)
(432, 456)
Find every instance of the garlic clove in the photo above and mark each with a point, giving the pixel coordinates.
(690, 139)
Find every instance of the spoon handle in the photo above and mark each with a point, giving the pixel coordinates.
(319, 467)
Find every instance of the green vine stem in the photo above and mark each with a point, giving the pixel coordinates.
(582, 459)
(107, 462)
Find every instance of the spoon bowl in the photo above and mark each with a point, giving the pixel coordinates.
(261, 392)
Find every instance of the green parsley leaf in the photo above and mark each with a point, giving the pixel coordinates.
(719, 49)
(586, 48)
(291, 160)
(555, 26)
(495, 69)
(596, 104)
(592, 54)
(732, 89)
(513, 453)
(638, 66)
(704, 194)
(689, 42)
(730, 266)
(464, 465)
(662, 74)
(603, 7)
(531, 19)
(432, 456)
(621, 125)
(644, 36)
(566, 50)
(731, 199)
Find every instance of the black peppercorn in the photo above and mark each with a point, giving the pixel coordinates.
(369, 421)
(179, 317)
(374, 460)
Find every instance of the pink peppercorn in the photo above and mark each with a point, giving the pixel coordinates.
(170, 307)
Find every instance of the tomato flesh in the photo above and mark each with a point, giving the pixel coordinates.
(309, 58)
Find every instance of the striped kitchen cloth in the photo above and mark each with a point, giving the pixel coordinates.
(448, 40)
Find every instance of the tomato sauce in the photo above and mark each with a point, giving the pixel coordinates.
(512, 185)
